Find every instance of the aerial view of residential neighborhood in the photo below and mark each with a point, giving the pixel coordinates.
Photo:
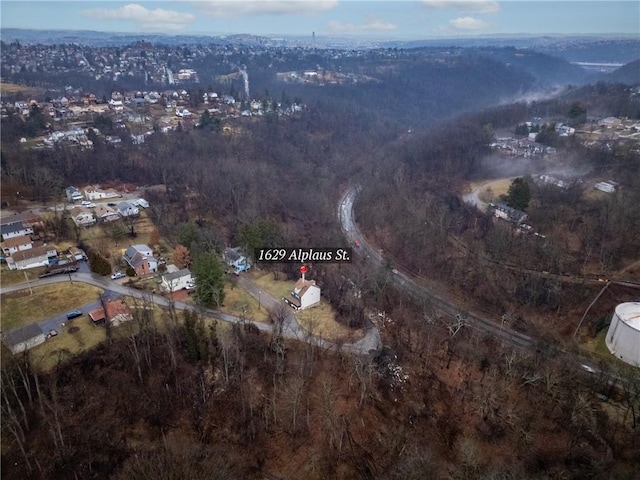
(320, 240)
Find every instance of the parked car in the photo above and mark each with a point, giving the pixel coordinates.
(74, 314)
(117, 275)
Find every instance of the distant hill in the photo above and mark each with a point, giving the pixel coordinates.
(546, 69)
(629, 74)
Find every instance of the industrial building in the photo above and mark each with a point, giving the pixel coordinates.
(623, 337)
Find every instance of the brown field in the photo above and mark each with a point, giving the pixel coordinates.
(490, 190)
(318, 320)
(20, 308)
(238, 302)
(13, 88)
(12, 277)
(56, 349)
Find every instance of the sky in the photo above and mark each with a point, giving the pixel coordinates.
(371, 19)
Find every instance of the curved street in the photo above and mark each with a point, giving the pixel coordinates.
(368, 345)
(407, 282)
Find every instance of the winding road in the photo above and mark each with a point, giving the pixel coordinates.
(407, 281)
(368, 345)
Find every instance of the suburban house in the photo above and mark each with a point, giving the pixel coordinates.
(140, 202)
(305, 294)
(93, 192)
(77, 253)
(126, 209)
(73, 194)
(12, 230)
(117, 312)
(30, 218)
(174, 281)
(23, 338)
(82, 216)
(236, 260)
(16, 244)
(607, 187)
(105, 214)
(507, 213)
(32, 258)
(140, 258)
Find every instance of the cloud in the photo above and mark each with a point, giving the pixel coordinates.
(468, 23)
(237, 8)
(145, 19)
(371, 25)
(466, 6)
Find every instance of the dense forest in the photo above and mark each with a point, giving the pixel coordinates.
(173, 395)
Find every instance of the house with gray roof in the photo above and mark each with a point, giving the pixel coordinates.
(18, 229)
(32, 258)
(23, 338)
(174, 281)
(140, 258)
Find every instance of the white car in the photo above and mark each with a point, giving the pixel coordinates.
(117, 275)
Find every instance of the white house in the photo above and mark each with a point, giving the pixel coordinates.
(96, 193)
(126, 209)
(505, 212)
(12, 230)
(607, 187)
(174, 281)
(305, 294)
(82, 216)
(116, 105)
(140, 202)
(73, 194)
(32, 258)
(16, 244)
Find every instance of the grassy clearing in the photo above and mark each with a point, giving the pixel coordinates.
(319, 320)
(66, 344)
(13, 88)
(266, 281)
(238, 302)
(13, 277)
(20, 308)
(491, 190)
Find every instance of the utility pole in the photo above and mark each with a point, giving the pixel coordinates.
(28, 282)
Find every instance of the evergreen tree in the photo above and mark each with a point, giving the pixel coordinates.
(207, 268)
(519, 194)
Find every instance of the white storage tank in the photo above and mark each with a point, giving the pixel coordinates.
(623, 337)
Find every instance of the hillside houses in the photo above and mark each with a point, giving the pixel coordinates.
(17, 229)
(94, 192)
